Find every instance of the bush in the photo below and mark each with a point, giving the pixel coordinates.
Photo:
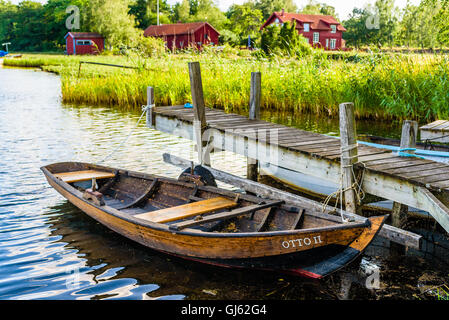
(149, 47)
(284, 40)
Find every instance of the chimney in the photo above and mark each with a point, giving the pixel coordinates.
(282, 13)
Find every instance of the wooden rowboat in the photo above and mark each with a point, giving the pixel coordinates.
(212, 225)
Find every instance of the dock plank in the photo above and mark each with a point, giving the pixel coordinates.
(433, 178)
(297, 145)
(394, 163)
(424, 173)
(416, 167)
(433, 124)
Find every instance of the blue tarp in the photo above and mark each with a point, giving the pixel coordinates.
(3, 53)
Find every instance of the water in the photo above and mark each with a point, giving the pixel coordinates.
(49, 249)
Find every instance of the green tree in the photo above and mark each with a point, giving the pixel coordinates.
(408, 30)
(269, 39)
(181, 11)
(267, 7)
(207, 10)
(244, 21)
(440, 18)
(284, 40)
(8, 12)
(388, 22)
(145, 12)
(314, 7)
(111, 19)
(28, 32)
(357, 33)
(376, 24)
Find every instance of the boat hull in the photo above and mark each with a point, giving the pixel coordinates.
(264, 251)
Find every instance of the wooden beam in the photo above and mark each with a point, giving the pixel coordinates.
(200, 125)
(254, 114)
(150, 105)
(391, 233)
(348, 137)
(408, 142)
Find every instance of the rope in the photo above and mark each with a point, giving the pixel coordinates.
(356, 186)
(401, 153)
(144, 110)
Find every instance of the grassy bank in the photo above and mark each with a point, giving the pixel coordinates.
(382, 86)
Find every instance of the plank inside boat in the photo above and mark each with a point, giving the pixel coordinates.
(85, 175)
(188, 210)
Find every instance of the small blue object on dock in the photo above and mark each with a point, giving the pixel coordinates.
(188, 105)
(3, 53)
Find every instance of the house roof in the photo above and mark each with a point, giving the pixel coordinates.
(317, 22)
(90, 35)
(175, 29)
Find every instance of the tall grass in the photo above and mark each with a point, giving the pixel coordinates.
(382, 86)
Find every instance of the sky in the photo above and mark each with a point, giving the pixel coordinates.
(343, 7)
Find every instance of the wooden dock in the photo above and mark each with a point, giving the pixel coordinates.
(437, 131)
(407, 180)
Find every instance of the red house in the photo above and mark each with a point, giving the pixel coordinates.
(183, 35)
(84, 43)
(321, 31)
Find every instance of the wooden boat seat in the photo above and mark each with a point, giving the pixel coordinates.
(225, 215)
(85, 175)
(187, 210)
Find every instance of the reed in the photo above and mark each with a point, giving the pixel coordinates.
(382, 85)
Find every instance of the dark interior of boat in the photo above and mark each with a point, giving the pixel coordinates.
(181, 204)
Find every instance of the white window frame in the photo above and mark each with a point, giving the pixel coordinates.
(334, 28)
(327, 43)
(306, 27)
(83, 42)
(333, 43)
(316, 37)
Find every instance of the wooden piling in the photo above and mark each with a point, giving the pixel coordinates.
(408, 143)
(400, 211)
(348, 135)
(199, 112)
(254, 114)
(150, 104)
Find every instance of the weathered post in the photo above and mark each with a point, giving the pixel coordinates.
(408, 144)
(199, 112)
(150, 105)
(400, 211)
(254, 114)
(348, 135)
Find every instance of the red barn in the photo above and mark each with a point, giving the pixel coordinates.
(84, 43)
(183, 35)
(321, 31)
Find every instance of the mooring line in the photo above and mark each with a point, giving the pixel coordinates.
(144, 110)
